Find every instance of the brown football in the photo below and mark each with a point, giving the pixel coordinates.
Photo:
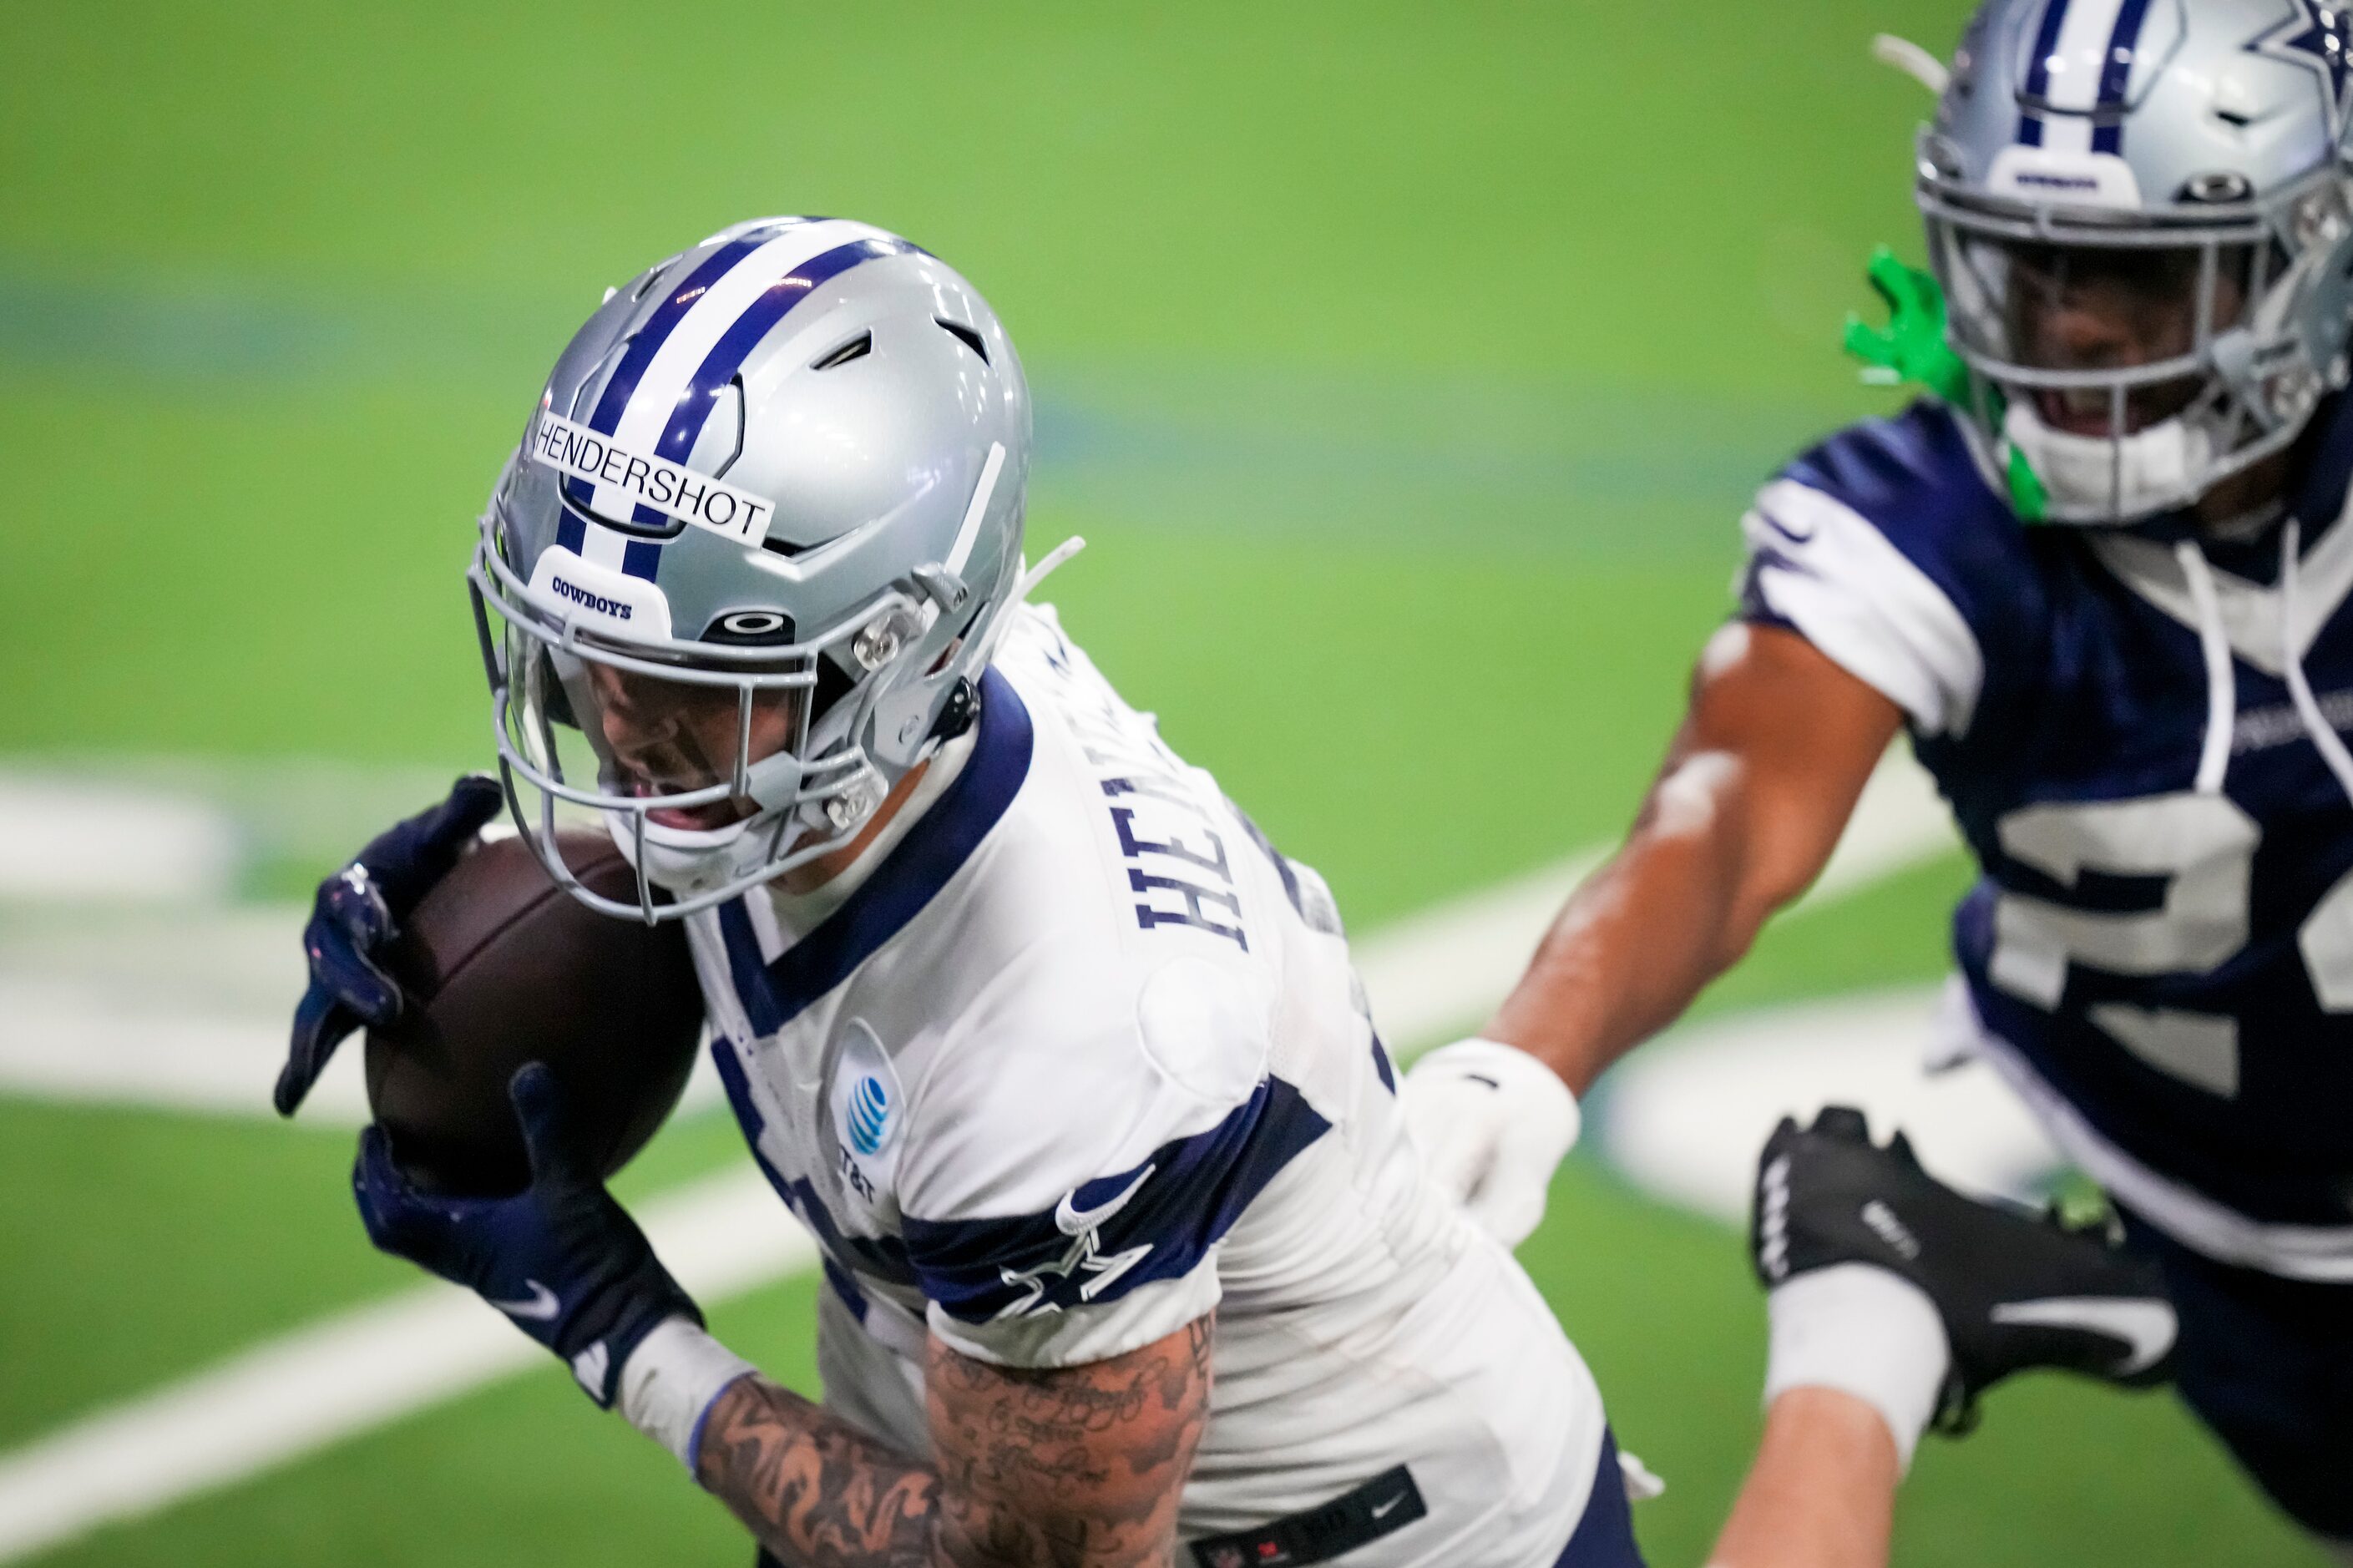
(501, 967)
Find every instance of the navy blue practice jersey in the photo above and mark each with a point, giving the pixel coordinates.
(2161, 954)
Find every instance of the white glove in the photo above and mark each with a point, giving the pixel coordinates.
(1493, 1123)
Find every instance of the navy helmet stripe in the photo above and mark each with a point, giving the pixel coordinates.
(727, 355)
(2116, 71)
(2115, 75)
(932, 852)
(651, 337)
(658, 327)
(641, 558)
(2038, 71)
(572, 532)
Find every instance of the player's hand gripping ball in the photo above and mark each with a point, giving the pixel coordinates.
(564, 1261)
(465, 961)
(354, 920)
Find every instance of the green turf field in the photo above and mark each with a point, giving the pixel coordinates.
(1406, 367)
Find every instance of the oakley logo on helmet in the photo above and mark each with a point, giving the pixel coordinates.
(670, 489)
(752, 628)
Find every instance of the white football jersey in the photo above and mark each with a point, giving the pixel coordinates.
(1073, 1057)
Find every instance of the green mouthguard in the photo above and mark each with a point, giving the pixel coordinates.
(1913, 348)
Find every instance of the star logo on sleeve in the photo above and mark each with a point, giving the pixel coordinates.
(1084, 1261)
(2319, 37)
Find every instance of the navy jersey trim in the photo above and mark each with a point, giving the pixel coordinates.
(844, 1287)
(1912, 480)
(1159, 1219)
(934, 850)
(880, 1258)
(2320, 497)
(1604, 1537)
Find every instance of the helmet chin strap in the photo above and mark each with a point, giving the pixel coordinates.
(2125, 477)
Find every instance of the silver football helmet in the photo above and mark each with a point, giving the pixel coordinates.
(741, 574)
(2179, 165)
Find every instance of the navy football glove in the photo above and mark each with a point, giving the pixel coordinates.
(564, 1261)
(357, 912)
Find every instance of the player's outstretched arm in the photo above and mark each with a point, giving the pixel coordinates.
(1895, 1302)
(1757, 787)
(1823, 1491)
(1073, 1468)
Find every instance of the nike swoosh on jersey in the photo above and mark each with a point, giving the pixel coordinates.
(1071, 1220)
(2148, 1327)
(540, 1307)
(1380, 1509)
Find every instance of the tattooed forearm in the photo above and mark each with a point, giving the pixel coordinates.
(1074, 1469)
(816, 1491)
(1082, 1466)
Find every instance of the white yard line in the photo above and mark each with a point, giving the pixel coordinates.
(347, 1374)
(83, 1015)
(1684, 1120)
(78, 1041)
(67, 837)
(358, 1370)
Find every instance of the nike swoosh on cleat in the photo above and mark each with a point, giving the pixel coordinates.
(2148, 1327)
(1071, 1220)
(540, 1307)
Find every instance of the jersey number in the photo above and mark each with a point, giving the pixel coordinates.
(2204, 846)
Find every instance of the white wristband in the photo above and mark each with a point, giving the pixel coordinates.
(1862, 1331)
(1545, 1114)
(670, 1382)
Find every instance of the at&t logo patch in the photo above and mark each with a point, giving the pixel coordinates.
(870, 1115)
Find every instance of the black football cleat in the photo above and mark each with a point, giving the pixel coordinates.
(2016, 1290)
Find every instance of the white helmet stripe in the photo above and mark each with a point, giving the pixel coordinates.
(671, 371)
(2076, 63)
